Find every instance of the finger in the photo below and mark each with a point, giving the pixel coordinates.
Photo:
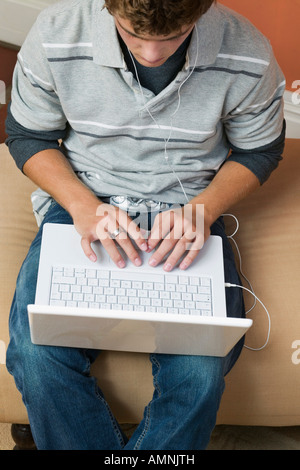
(128, 227)
(162, 226)
(164, 248)
(87, 249)
(112, 250)
(181, 247)
(118, 236)
(129, 249)
(132, 229)
(177, 253)
(189, 259)
(109, 244)
(193, 250)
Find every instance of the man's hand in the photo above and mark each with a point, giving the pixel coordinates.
(179, 231)
(182, 233)
(100, 223)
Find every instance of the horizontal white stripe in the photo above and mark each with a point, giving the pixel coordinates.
(156, 126)
(67, 46)
(243, 58)
(26, 69)
(265, 102)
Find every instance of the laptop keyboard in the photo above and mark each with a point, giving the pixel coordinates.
(135, 291)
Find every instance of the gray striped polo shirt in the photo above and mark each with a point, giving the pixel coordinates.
(71, 74)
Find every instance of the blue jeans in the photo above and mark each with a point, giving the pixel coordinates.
(65, 405)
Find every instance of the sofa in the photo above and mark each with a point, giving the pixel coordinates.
(263, 387)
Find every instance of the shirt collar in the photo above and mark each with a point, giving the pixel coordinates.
(107, 50)
(210, 29)
(106, 47)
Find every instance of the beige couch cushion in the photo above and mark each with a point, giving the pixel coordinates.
(17, 229)
(263, 388)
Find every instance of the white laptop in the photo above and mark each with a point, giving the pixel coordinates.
(144, 309)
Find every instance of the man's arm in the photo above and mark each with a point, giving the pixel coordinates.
(51, 171)
(232, 184)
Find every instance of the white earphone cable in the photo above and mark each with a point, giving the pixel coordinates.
(172, 116)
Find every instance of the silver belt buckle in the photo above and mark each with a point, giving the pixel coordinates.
(134, 205)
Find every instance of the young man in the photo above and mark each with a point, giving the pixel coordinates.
(148, 99)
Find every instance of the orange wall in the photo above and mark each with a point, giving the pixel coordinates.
(279, 20)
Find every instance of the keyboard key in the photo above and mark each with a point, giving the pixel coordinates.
(91, 273)
(181, 288)
(64, 288)
(136, 284)
(159, 286)
(78, 296)
(206, 313)
(69, 272)
(148, 285)
(66, 296)
(203, 305)
(89, 297)
(171, 279)
(57, 303)
(192, 289)
(142, 293)
(87, 289)
(170, 287)
(173, 310)
(175, 296)
(202, 297)
(183, 280)
(126, 284)
(75, 288)
(102, 274)
(131, 292)
(55, 296)
(94, 305)
(164, 295)
(153, 294)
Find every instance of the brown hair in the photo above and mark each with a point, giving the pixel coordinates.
(158, 17)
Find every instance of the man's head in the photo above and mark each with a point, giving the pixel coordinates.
(158, 17)
(154, 29)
